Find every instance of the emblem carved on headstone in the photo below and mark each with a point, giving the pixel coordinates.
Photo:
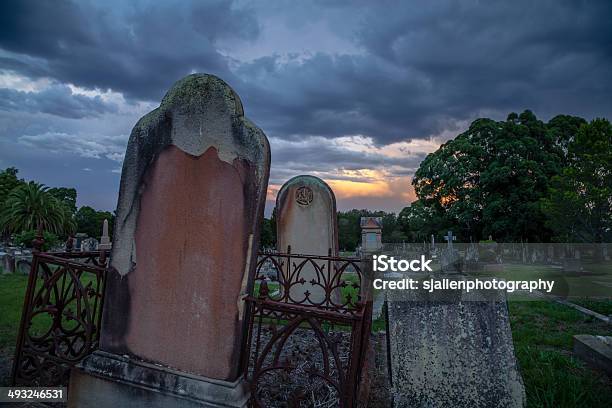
(304, 195)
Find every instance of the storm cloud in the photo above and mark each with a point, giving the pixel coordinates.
(343, 89)
(55, 100)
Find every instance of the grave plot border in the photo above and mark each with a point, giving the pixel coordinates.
(66, 290)
(275, 310)
(64, 298)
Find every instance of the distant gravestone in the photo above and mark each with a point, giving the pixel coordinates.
(89, 244)
(572, 263)
(596, 351)
(306, 221)
(456, 353)
(79, 237)
(371, 233)
(23, 266)
(450, 260)
(7, 262)
(184, 247)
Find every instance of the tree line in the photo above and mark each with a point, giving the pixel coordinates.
(518, 180)
(27, 206)
(515, 180)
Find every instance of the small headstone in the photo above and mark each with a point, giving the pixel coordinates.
(23, 266)
(89, 244)
(572, 265)
(455, 353)
(604, 251)
(307, 222)
(185, 247)
(371, 233)
(472, 257)
(595, 351)
(79, 237)
(8, 263)
(450, 260)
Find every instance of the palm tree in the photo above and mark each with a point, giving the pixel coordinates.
(30, 207)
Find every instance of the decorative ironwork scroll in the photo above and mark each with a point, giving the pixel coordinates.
(305, 352)
(61, 317)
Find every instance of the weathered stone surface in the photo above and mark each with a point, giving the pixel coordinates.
(186, 233)
(449, 352)
(8, 263)
(107, 380)
(371, 233)
(306, 220)
(595, 351)
(23, 266)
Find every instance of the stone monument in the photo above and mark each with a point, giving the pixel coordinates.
(185, 245)
(455, 353)
(307, 222)
(371, 233)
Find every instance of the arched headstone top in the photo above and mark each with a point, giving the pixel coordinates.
(303, 189)
(200, 112)
(306, 216)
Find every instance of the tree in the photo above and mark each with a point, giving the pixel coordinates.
(8, 181)
(26, 239)
(90, 221)
(418, 222)
(579, 204)
(268, 235)
(29, 206)
(490, 179)
(67, 196)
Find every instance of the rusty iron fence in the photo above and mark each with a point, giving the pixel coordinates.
(308, 331)
(308, 325)
(61, 316)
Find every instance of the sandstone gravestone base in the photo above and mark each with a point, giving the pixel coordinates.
(184, 249)
(306, 221)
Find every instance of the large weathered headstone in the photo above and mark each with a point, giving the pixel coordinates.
(184, 247)
(306, 221)
(452, 350)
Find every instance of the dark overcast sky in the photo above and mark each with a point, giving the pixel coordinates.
(355, 92)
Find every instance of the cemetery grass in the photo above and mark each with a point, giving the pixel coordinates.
(542, 333)
(543, 339)
(593, 282)
(12, 291)
(600, 306)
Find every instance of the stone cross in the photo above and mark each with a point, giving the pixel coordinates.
(449, 238)
(184, 252)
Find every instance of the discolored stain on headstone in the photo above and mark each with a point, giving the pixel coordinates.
(186, 233)
(307, 221)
